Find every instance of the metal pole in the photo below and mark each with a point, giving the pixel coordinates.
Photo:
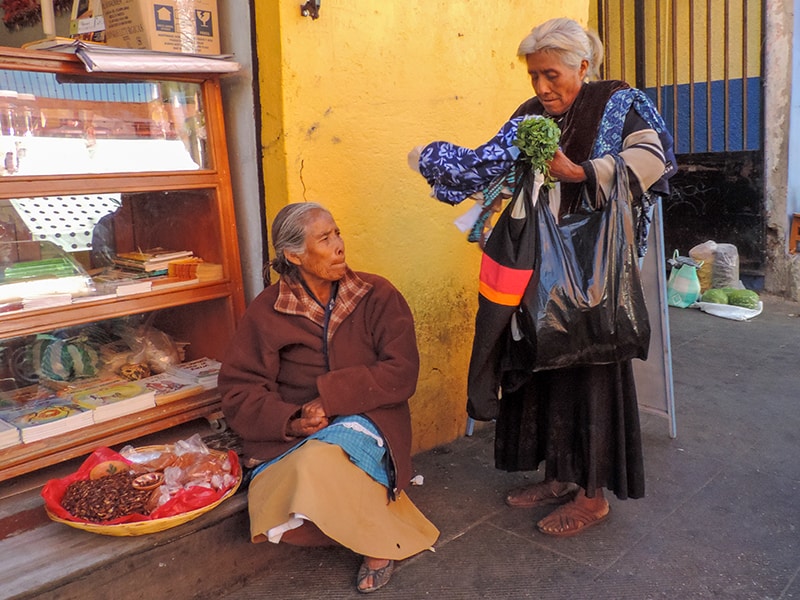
(639, 44)
(708, 76)
(691, 77)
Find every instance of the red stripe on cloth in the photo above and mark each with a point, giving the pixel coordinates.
(502, 285)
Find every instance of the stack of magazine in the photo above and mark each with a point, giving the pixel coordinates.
(9, 435)
(201, 370)
(169, 387)
(40, 411)
(115, 400)
(39, 273)
(154, 260)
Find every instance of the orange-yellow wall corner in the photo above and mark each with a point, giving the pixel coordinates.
(344, 98)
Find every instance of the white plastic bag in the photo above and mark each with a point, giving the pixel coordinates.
(728, 311)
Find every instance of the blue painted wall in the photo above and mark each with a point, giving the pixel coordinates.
(736, 121)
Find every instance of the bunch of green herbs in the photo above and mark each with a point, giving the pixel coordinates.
(537, 138)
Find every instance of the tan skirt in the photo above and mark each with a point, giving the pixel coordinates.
(318, 482)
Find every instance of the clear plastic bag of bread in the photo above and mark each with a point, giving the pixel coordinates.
(720, 268)
(186, 464)
(149, 346)
(703, 254)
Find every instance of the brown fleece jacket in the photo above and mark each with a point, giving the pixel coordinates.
(276, 363)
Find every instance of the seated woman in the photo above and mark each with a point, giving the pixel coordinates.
(316, 382)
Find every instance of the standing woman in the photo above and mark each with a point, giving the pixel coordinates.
(316, 382)
(581, 422)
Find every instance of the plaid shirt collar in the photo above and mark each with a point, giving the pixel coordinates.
(294, 299)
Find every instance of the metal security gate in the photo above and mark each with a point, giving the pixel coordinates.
(700, 61)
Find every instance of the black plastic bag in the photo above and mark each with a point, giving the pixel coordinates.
(585, 304)
(506, 270)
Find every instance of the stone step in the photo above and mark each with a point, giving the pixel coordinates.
(40, 558)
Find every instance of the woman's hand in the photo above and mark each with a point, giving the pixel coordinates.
(563, 169)
(413, 158)
(312, 418)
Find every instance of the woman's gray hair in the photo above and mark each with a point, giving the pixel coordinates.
(569, 40)
(289, 234)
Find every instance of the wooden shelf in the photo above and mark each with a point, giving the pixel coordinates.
(25, 458)
(37, 321)
(184, 209)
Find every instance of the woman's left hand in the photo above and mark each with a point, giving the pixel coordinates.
(563, 169)
(312, 418)
(314, 409)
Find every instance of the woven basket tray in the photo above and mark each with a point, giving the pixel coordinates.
(152, 525)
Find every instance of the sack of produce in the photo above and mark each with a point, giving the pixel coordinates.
(725, 270)
(703, 254)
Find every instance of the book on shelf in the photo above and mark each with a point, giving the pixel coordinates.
(11, 305)
(154, 259)
(38, 413)
(122, 282)
(169, 387)
(46, 301)
(9, 435)
(154, 255)
(92, 298)
(137, 286)
(159, 268)
(34, 268)
(67, 388)
(165, 282)
(195, 267)
(24, 396)
(39, 286)
(201, 370)
(115, 400)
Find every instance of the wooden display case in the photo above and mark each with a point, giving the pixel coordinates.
(100, 164)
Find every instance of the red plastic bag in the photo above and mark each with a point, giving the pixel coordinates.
(185, 500)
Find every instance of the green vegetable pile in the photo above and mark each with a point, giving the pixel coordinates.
(538, 138)
(732, 296)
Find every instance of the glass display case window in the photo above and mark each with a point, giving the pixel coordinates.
(58, 124)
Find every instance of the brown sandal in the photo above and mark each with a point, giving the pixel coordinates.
(380, 577)
(571, 519)
(539, 494)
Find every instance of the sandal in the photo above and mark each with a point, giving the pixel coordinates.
(540, 494)
(571, 519)
(380, 577)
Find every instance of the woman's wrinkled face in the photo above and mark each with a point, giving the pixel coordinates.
(556, 85)
(323, 259)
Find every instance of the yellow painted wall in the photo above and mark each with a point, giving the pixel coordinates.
(345, 97)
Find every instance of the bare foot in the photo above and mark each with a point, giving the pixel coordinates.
(540, 494)
(576, 516)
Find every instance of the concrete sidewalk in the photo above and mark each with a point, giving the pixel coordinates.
(721, 518)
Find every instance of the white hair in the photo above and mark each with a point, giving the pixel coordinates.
(569, 40)
(289, 233)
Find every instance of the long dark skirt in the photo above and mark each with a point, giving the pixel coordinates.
(583, 423)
